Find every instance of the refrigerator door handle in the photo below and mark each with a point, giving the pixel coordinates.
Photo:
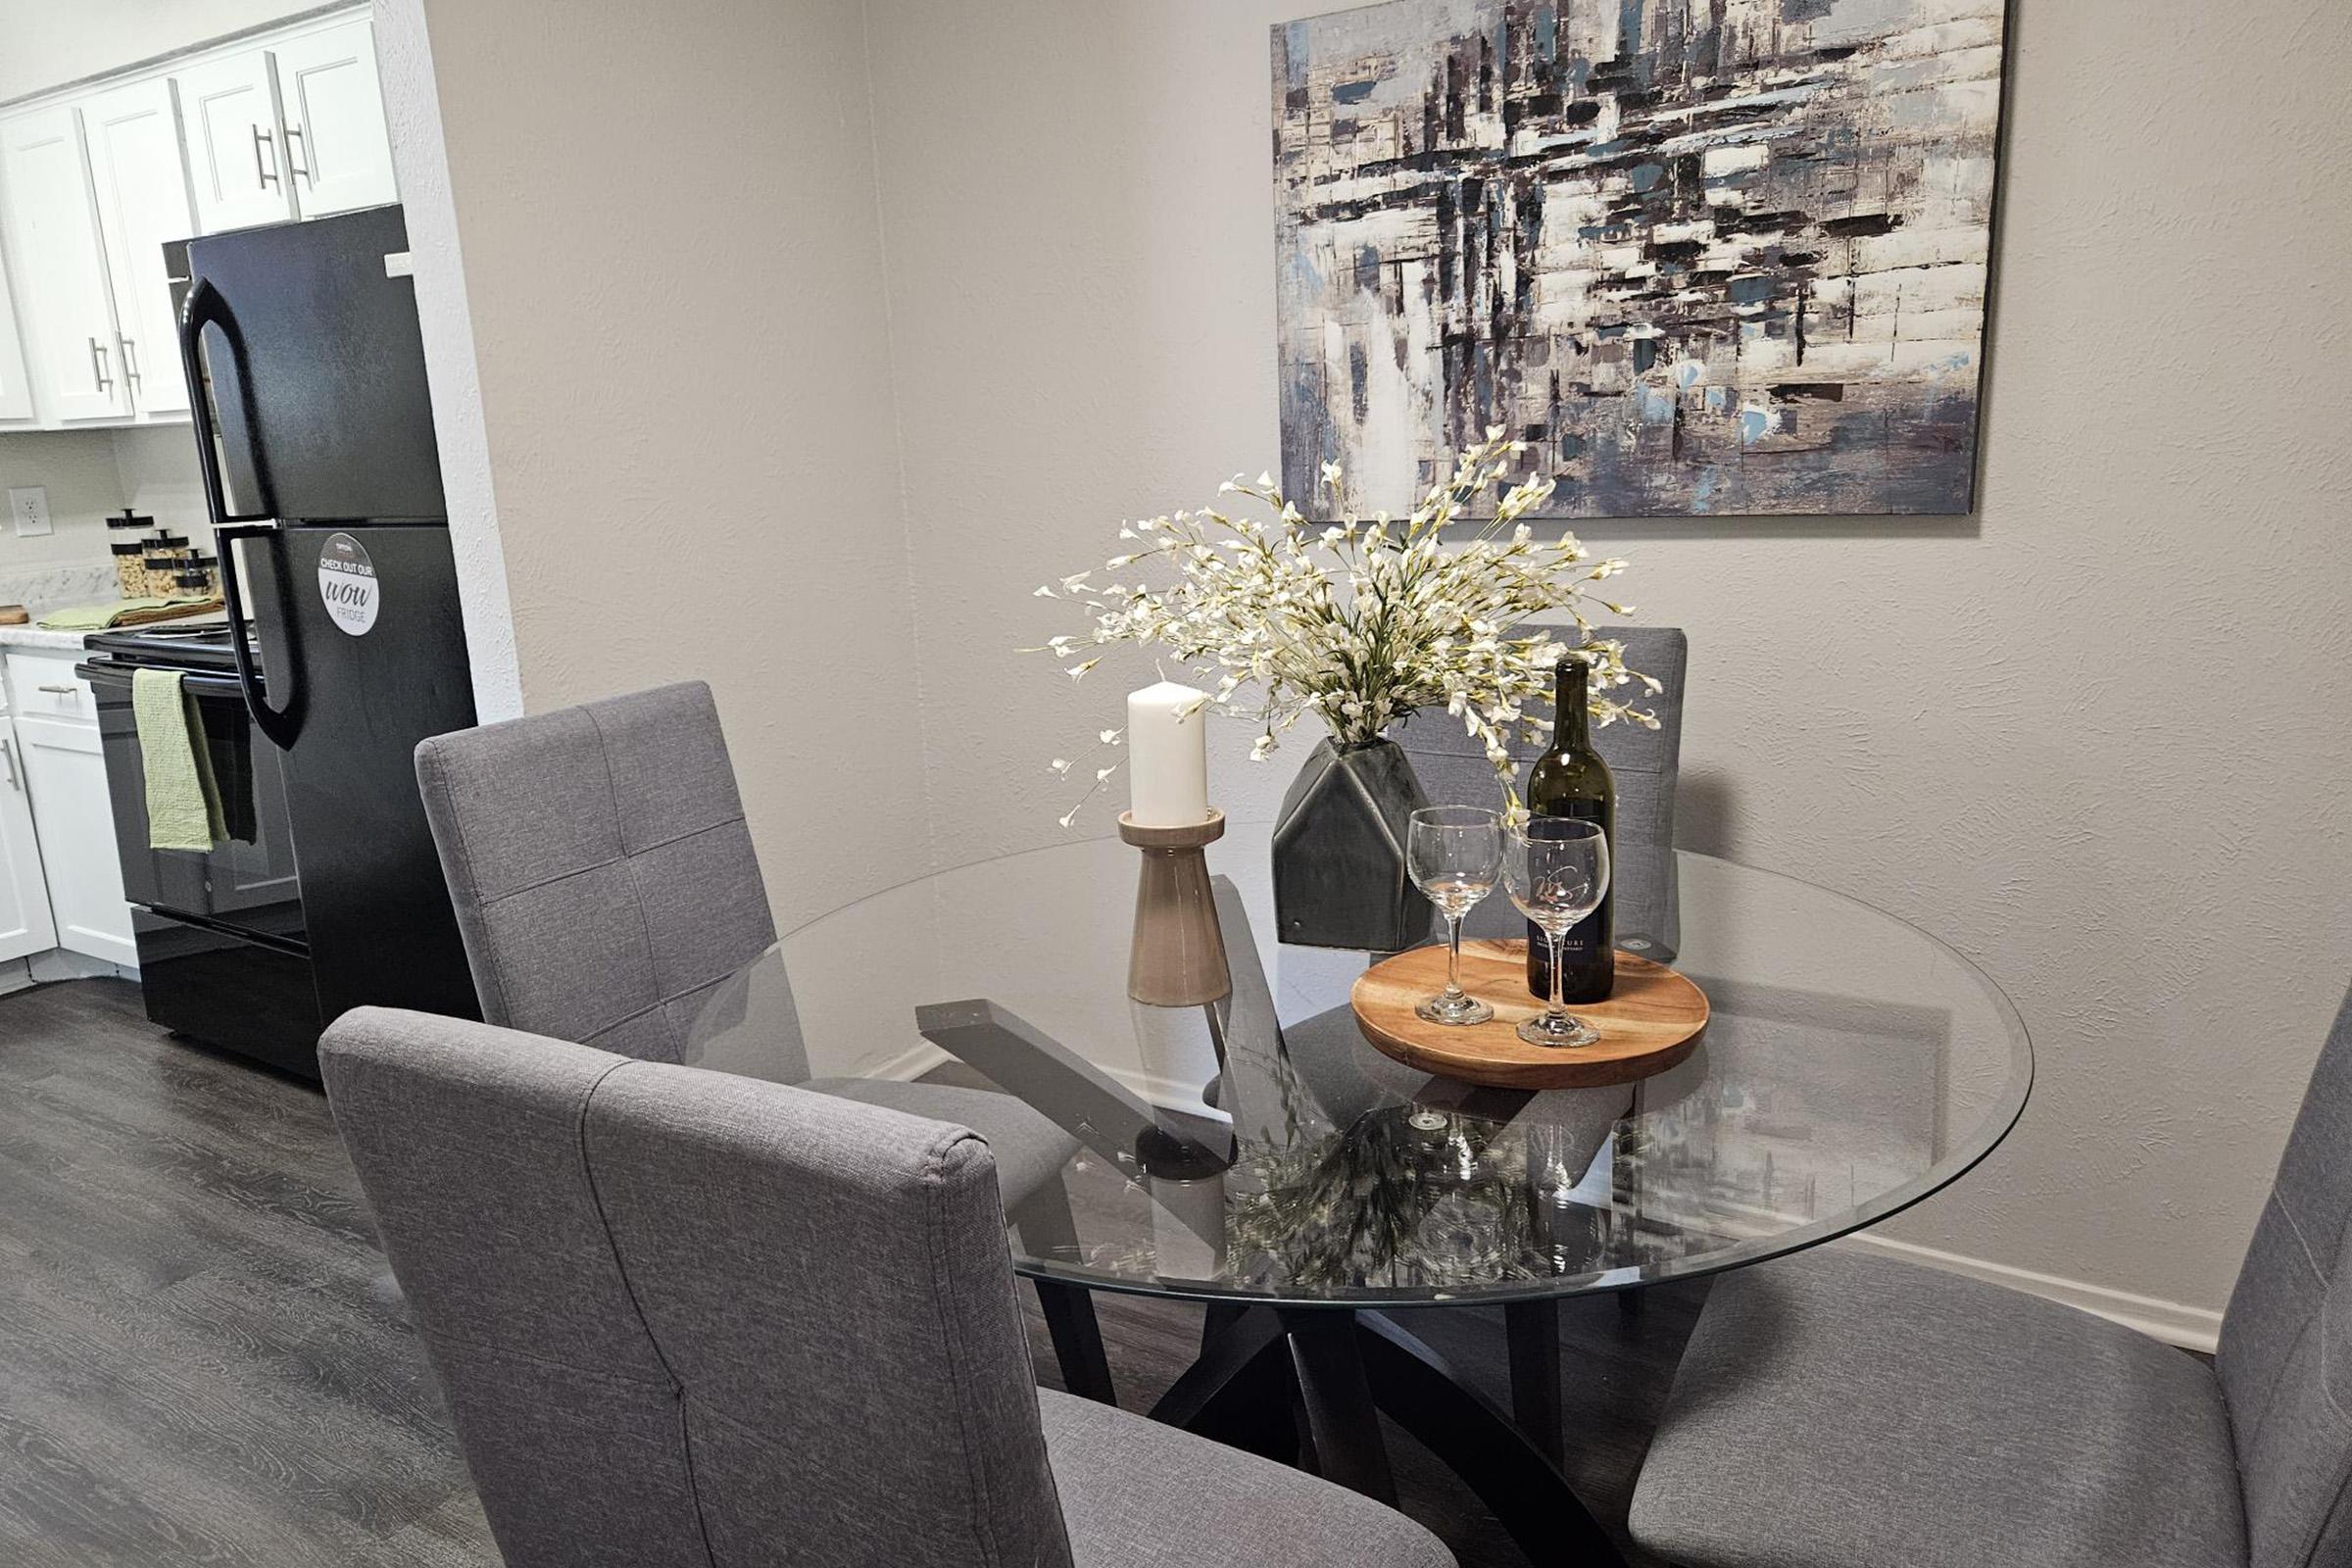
(206, 308)
(281, 726)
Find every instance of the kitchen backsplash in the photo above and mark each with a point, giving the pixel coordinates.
(58, 584)
(89, 473)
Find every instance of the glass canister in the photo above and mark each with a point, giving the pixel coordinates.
(130, 567)
(161, 572)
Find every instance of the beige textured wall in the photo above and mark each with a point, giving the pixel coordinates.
(673, 268)
(2099, 738)
(2095, 737)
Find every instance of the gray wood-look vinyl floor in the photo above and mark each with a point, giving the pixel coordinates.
(204, 1360)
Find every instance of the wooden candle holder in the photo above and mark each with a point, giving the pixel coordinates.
(1178, 960)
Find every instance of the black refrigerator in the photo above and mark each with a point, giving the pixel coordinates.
(323, 480)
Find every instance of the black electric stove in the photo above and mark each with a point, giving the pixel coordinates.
(169, 645)
(223, 934)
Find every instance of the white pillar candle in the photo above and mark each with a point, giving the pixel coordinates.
(1167, 755)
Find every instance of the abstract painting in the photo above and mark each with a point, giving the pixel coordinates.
(1719, 257)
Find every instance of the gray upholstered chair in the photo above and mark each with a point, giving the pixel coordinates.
(682, 1317)
(606, 884)
(1455, 771)
(1837, 1410)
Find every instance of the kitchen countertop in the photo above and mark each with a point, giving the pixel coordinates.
(53, 586)
(71, 642)
(32, 637)
(45, 590)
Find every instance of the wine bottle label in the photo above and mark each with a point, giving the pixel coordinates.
(1582, 944)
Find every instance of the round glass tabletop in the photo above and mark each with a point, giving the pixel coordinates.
(1259, 1150)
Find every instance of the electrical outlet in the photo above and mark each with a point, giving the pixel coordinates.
(29, 509)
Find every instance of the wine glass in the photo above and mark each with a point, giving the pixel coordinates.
(1454, 854)
(1557, 869)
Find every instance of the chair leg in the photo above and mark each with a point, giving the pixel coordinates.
(1077, 1340)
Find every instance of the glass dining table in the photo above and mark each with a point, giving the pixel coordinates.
(1256, 1154)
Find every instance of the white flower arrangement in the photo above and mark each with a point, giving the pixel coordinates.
(1359, 623)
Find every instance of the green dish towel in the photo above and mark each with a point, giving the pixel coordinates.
(183, 803)
(98, 617)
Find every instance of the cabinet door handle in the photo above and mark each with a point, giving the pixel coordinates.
(8, 755)
(63, 691)
(131, 358)
(295, 133)
(105, 381)
(260, 139)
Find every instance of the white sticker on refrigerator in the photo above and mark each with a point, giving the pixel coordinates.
(347, 583)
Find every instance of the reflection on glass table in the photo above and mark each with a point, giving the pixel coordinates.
(1256, 1153)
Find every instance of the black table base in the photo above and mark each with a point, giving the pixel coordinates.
(1302, 1386)
(1077, 1337)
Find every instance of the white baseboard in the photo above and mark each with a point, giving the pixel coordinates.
(2193, 1328)
(63, 963)
(909, 1065)
(54, 965)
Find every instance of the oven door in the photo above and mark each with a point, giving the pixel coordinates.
(246, 882)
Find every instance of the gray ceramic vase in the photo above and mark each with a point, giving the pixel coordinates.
(1340, 877)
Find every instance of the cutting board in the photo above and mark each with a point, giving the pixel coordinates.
(1652, 1021)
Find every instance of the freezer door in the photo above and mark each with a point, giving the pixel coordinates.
(317, 369)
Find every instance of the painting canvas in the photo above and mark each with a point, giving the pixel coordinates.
(1705, 255)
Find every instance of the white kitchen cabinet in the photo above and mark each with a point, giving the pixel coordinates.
(236, 161)
(15, 386)
(43, 685)
(65, 302)
(95, 182)
(63, 765)
(142, 189)
(64, 771)
(338, 152)
(25, 927)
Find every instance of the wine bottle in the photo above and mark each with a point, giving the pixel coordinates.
(1570, 780)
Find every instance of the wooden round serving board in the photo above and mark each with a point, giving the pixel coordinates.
(1652, 1021)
